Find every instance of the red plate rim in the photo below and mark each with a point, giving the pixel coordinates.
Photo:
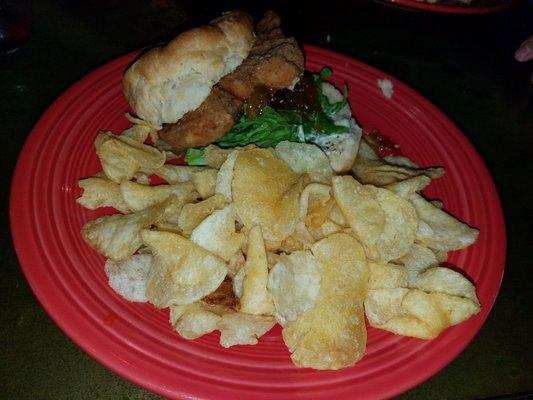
(72, 324)
(451, 9)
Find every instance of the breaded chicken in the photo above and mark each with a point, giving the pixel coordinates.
(275, 62)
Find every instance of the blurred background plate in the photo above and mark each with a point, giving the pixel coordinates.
(136, 341)
(454, 7)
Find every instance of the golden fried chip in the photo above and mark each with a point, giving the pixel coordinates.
(118, 236)
(215, 156)
(306, 158)
(302, 235)
(316, 203)
(255, 298)
(122, 157)
(439, 230)
(137, 132)
(327, 228)
(266, 192)
(141, 178)
(290, 245)
(240, 328)
(370, 169)
(332, 335)
(337, 216)
(409, 186)
(293, 284)
(385, 223)
(192, 214)
(216, 233)
(177, 173)
(138, 196)
(204, 182)
(417, 260)
(182, 272)
(193, 320)
(129, 277)
(457, 309)
(381, 305)
(235, 264)
(225, 176)
(445, 280)
(416, 313)
(101, 192)
(383, 276)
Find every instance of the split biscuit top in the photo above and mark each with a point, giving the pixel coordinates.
(169, 81)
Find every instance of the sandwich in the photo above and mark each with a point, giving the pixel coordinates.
(232, 84)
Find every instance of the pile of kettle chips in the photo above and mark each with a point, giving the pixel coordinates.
(261, 235)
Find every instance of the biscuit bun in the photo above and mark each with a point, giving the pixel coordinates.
(169, 81)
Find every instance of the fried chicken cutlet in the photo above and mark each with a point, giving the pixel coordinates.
(275, 62)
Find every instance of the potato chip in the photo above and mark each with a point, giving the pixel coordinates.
(332, 335)
(385, 223)
(266, 192)
(193, 320)
(121, 157)
(293, 284)
(217, 233)
(327, 228)
(237, 282)
(177, 173)
(416, 313)
(141, 178)
(129, 277)
(118, 236)
(215, 156)
(302, 236)
(192, 214)
(139, 121)
(422, 306)
(101, 192)
(316, 203)
(305, 158)
(409, 186)
(437, 203)
(417, 260)
(236, 263)
(138, 197)
(370, 169)
(239, 328)
(290, 245)
(272, 259)
(381, 305)
(457, 309)
(361, 209)
(139, 133)
(225, 176)
(255, 298)
(168, 226)
(402, 161)
(441, 256)
(182, 272)
(336, 215)
(445, 280)
(204, 182)
(439, 230)
(387, 276)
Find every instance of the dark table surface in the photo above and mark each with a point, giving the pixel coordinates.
(464, 64)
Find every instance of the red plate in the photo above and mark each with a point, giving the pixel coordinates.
(137, 342)
(476, 7)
